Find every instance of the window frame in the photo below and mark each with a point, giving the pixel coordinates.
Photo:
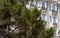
(54, 19)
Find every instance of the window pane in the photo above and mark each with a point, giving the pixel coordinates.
(58, 9)
(49, 6)
(43, 3)
(50, 18)
(53, 7)
(54, 19)
(32, 5)
(43, 16)
(55, 29)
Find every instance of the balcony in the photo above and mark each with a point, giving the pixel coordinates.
(54, 23)
(54, 12)
(43, 8)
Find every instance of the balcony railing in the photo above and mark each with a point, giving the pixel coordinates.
(44, 8)
(54, 12)
(54, 23)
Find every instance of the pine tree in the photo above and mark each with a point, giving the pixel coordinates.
(29, 22)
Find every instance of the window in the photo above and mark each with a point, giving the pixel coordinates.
(58, 9)
(55, 29)
(49, 6)
(55, 25)
(32, 5)
(50, 18)
(43, 4)
(54, 7)
(54, 19)
(39, 4)
(43, 17)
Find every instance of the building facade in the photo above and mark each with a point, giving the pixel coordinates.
(50, 12)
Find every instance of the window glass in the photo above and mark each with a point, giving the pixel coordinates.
(50, 18)
(32, 5)
(20, 0)
(54, 19)
(55, 29)
(43, 4)
(49, 6)
(43, 17)
(53, 6)
(58, 9)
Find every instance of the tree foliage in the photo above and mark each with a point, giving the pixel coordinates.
(25, 19)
